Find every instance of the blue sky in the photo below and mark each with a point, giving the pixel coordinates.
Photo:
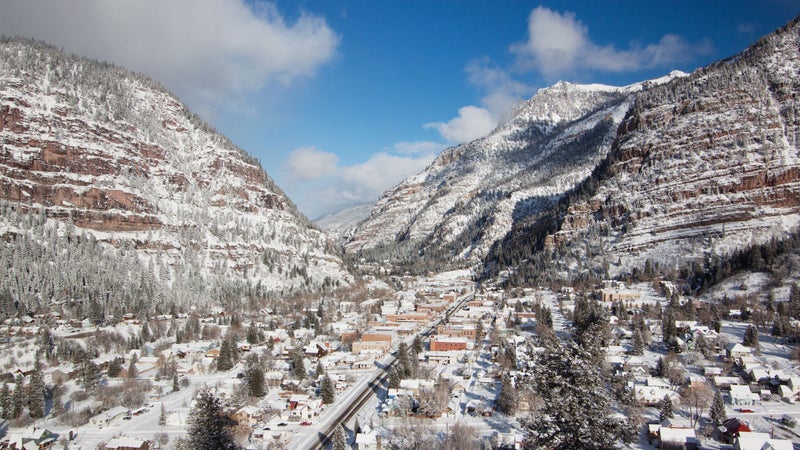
(340, 100)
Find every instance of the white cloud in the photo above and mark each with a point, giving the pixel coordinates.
(746, 28)
(502, 91)
(316, 182)
(308, 163)
(559, 44)
(212, 53)
(417, 147)
(472, 122)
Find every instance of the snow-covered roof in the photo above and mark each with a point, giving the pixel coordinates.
(762, 441)
(124, 442)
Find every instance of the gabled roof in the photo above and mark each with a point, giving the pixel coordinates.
(762, 441)
(735, 425)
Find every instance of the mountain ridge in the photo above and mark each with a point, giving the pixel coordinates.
(607, 178)
(701, 167)
(100, 151)
(472, 193)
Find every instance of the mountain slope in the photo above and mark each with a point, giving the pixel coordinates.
(472, 193)
(338, 224)
(88, 149)
(701, 166)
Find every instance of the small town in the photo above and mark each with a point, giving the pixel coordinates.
(414, 225)
(438, 354)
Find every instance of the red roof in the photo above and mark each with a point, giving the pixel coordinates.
(735, 426)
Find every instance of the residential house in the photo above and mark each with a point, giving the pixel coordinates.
(443, 358)
(760, 441)
(59, 376)
(248, 415)
(127, 443)
(616, 295)
(725, 383)
(368, 441)
(742, 396)
(32, 438)
(652, 395)
(683, 437)
(732, 427)
(297, 400)
(735, 350)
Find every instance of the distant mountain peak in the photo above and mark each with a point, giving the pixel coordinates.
(676, 167)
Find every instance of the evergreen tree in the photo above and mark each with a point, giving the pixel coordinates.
(145, 334)
(162, 417)
(478, 331)
(225, 359)
(6, 401)
(793, 306)
(252, 334)
(36, 392)
(254, 377)
(717, 411)
(546, 317)
(175, 386)
(298, 366)
(58, 404)
(416, 346)
(209, 426)
(403, 362)
(338, 439)
(327, 390)
(394, 378)
(507, 398)
(47, 343)
(701, 345)
(751, 337)
(576, 414)
(115, 367)
(665, 410)
(90, 375)
(668, 329)
(319, 371)
(133, 372)
(18, 397)
(637, 343)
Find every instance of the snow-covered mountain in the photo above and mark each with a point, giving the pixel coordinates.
(91, 151)
(700, 167)
(338, 224)
(673, 170)
(472, 194)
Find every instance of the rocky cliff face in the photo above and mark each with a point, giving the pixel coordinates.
(701, 166)
(102, 151)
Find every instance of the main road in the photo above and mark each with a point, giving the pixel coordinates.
(318, 435)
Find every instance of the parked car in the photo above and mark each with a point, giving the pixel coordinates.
(305, 424)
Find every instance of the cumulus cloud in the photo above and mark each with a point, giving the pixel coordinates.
(212, 53)
(380, 172)
(472, 122)
(308, 163)
(502, 91)
(559, 44)
(501, 94)
(417, 147)
(319, 184)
